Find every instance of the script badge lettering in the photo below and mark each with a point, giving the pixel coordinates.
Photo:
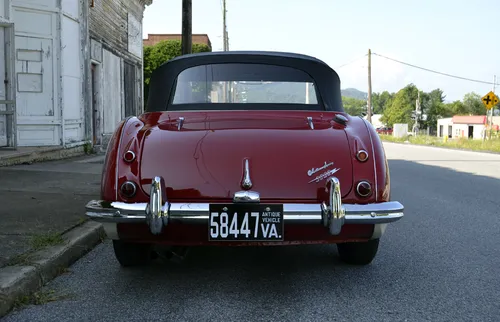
(312, 171)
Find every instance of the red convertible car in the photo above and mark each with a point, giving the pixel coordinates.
(243, 149)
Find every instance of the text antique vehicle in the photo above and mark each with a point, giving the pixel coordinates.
(245, 148)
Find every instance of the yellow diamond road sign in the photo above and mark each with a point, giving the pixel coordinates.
(490, 100)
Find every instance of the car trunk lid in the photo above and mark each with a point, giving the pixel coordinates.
(205, 157)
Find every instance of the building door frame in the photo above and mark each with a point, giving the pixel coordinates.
(10, 85)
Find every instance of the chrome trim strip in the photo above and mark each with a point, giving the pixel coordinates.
(374, 158)
(120, 212)
(180, 123)
(310, 122)
(246, 196)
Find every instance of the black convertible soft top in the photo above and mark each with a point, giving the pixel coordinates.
(327, 81)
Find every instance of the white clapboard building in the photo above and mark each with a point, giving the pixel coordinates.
(70, 70)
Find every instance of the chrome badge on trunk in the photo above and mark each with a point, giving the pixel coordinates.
(323, 175)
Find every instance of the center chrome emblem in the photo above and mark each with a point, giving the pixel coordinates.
(246, 183)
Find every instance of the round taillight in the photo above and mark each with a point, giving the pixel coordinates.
(362, 155)
(129, 156)
(364, 188)
(128, 189)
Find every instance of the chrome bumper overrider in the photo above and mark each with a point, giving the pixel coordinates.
(158, 213)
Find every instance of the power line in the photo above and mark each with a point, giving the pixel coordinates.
(436, 72)
(355, 60)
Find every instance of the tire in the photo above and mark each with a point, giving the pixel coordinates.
(132, 254)
(358, 253)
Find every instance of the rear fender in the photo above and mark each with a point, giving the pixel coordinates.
(362, 136)
(116, 170)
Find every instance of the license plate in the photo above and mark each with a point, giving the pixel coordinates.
(250, 222)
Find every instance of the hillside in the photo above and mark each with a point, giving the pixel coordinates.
(354, 93)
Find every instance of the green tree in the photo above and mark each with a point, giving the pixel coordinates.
(401, 107)
(456, 108)
(473, 104)
(380, 101)
(353, 106)
(157, 55)
(436, 108)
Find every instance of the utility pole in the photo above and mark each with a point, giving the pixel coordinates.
(186, 27)
(369, 103)
(417, 115)
(224, 48)
(224, 27)
(491, 113)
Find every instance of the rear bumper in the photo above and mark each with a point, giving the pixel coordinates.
(158, 213)
(198, 213)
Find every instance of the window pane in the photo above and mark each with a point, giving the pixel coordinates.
(244, 83)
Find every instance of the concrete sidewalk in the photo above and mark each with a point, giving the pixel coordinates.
(39, 203)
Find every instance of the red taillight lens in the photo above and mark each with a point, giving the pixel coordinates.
(129, 156)
(128, 189)
(362, 155)
(364, 188)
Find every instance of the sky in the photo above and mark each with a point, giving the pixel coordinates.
(458, 37)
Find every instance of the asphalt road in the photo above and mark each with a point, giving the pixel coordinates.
(440, 263)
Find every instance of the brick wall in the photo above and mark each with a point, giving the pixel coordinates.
(153, 39)
(108, 24)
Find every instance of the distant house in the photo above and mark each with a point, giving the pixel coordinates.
(153, 39)
(472, 126)
(376, 120)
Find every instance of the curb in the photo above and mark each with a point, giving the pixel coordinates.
(41, 155)
(20, 281)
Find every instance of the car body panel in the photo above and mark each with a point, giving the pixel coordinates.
(200, 153)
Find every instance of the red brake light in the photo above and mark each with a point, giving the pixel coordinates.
(129, 156)
(364, 188)
(128, 189)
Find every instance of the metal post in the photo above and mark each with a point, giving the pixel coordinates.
(369, 106)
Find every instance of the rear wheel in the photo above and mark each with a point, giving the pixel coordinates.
(358, 253)
(132, 254)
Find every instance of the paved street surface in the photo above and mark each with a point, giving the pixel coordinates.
(43, 198)
(440, 263)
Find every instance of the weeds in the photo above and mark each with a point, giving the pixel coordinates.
(492, 145)
(38, 242)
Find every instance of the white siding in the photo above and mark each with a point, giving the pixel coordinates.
(5, 10)
(38, 112)
(71, 8)
(37, 4)
(444, 123)
(112, 91)
(478, 131)
(3, 118)
(134, 36)
(71, 75)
